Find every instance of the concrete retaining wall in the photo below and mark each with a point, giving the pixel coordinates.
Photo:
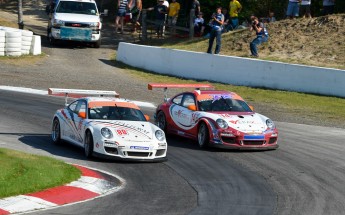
(234, 70)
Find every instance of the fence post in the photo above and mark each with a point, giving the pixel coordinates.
(144, 25)
(191, 23)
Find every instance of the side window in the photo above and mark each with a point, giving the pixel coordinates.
(72, 106)
(82, 106)
(188, 99)
(177, 99)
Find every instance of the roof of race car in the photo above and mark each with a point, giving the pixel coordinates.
(109, 101)
(212, 94)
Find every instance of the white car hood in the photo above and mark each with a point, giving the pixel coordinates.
(135, 131)
(70, 17)
(253, 123)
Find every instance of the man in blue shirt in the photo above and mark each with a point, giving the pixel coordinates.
(216, 23)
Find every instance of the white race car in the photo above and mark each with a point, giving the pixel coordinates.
(107, 126)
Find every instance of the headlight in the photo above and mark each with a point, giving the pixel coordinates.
(58, 23)
(106, 132)
(160, 135)
(94, 24)
(270, 124)
(222, 123)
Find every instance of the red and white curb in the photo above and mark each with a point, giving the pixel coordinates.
(45, 92)
(92, 184)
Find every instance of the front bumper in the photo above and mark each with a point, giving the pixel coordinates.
(264, 141)
(76, 34)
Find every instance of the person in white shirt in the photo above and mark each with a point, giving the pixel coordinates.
(305, 8)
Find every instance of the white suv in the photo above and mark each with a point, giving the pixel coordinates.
(77, 20)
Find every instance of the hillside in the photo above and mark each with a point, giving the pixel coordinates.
(318, 41)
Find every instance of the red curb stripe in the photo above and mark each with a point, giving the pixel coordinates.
(3, 212)
(88, 172)
(64, 195)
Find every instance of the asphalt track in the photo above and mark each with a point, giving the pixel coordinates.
(304, 176)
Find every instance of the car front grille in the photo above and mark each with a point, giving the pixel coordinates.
(160, 152)
(253, 142)
(230, 140)
(272, 140)
(139, 154)
(111, 150)
(77, 25)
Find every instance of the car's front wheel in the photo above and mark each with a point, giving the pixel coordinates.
(88, 145)
(56, 131)
(203, 136)
(161, 121)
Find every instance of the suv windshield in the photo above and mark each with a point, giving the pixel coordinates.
(224, 104)
(116, 113)
(77, 7)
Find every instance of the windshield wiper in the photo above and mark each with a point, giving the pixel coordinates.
(118, 111)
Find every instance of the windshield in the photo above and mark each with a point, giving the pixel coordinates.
(224, 104)
(76, 7)
(116, 113)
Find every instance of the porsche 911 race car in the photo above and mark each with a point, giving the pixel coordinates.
(107, 126)
(214, 117)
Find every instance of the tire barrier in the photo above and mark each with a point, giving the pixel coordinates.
(15, 42)
(2, 43)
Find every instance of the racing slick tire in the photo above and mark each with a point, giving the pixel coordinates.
(56, 131)
(161, 121)
(88, 145)
(203, 135)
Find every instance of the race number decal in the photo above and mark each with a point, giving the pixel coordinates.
(121, 132)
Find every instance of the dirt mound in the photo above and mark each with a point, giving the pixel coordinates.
(318, 41)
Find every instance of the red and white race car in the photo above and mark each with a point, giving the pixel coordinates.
(214, 117)
(107, 126)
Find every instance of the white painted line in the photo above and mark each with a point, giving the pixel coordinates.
(92, 184)
(23, 203)
(45, 92)
(24, 90)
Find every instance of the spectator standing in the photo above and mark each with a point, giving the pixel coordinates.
(271, 17)
(199, 25)
(226, 20)
(122, 5)
(328, 7)
(160, 10)
(234, 9)
(136, 13)
(261, 36)
(293, 9)
(216, 23)
(173, 14)
(196, 7)
(305, 8)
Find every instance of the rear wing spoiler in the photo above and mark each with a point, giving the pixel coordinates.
(165, 87)
(76, 93)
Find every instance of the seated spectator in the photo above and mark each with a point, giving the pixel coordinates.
(199, 25)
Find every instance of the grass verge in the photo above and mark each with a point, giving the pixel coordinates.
(23, 173)
(299, 107)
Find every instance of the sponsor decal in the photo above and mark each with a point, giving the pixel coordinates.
(216, 97)
(139, 147)
(97, 145)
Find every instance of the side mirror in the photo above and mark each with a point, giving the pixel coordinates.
(147, 117)
(251, 107)
(192, 107)
(82, 115)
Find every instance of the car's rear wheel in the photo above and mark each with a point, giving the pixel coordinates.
(203, 136)
(88, 145)
(161, 121)
(56, 131)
